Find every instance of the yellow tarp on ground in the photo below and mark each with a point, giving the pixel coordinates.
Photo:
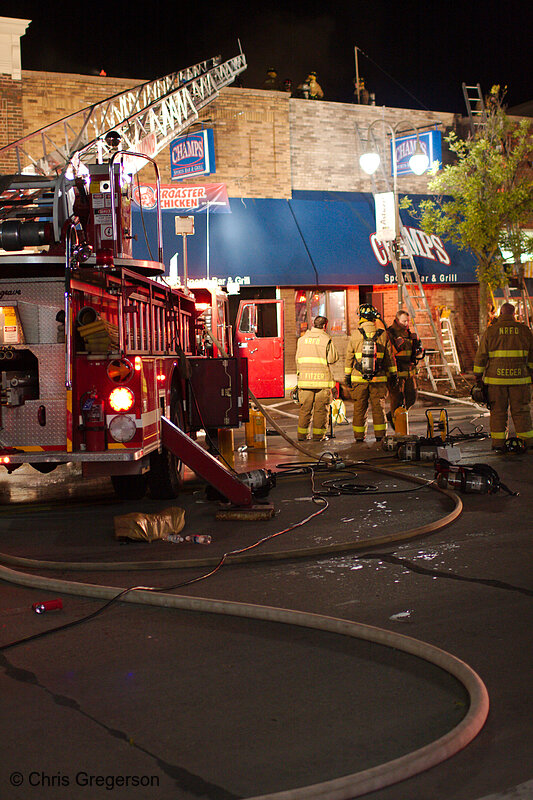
(149, 527)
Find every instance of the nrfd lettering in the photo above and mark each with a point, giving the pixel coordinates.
(505, 331)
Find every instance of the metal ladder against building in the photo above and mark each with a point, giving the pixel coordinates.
(436, 361)
(475, 106)
(146, 117)
(448, 340)
(435, 358)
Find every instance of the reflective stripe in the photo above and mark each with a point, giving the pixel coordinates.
(318, 431)
(392, 370)
(497, 435)
(525, 434)
(312, 360)
(347, 370)
(358, 356)
(319, 384)
(507, 353)
(377, 379)
(478, 370)
(506, 381)
(380, 427)
(302, 430)
(359, 429)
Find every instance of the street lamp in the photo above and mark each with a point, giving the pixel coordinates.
(419, 162)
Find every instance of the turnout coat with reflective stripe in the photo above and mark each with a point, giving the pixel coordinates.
(385, 359)
(314, 353)
(505, 353)
(403, 344)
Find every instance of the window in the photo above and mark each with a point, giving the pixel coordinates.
(262, 319)
(330, 304)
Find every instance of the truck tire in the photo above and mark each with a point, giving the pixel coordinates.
(166, 470)
(130, 487)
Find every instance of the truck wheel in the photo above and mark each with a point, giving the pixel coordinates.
(166, 470)
(130, 487)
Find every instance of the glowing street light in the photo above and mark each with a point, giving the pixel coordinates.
(370, 161)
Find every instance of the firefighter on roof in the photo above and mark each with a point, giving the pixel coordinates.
(406, 346)
(369, 364)
(310, 89)
(314, 353)
(504, 363)
(271, 81)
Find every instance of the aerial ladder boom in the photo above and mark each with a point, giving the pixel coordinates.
(145, 117)
(41, 169)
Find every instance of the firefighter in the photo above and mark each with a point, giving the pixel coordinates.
(310, 89)
(363, 95)
(315, 352)
(271, 81)
(504, 363)
(369, 364)
(406, 346)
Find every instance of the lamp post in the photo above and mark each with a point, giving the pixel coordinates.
(419, 162)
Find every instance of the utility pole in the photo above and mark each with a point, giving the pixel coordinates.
(357, 74)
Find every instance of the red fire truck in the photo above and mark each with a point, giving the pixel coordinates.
(99, 358)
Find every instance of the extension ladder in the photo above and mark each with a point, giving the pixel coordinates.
(475, 106)
(448, 340)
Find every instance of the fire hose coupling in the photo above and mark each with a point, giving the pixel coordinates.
(7, 353)
(476, 478)
(335, 465)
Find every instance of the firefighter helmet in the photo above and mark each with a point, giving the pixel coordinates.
(367, 311)
(515, 445)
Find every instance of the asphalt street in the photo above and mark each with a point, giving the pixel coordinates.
(181, 704)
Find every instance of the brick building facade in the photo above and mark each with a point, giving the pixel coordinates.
(267, 145)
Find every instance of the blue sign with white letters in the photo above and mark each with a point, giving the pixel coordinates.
(430, 144)
(193, 154)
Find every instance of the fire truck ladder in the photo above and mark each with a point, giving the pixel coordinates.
(475, 106)
(435, 357)
(145, 118)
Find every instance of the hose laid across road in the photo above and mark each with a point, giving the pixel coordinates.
(246, 558)
(348, 786)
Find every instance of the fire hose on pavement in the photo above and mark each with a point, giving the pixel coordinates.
(348, 786)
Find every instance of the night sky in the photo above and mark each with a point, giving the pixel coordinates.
(417, 54)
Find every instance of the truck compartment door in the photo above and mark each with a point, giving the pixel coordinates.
(259, 337)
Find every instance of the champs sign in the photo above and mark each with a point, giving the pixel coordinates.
(193, 154)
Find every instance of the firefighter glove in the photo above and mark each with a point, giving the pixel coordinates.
(393, 381)
(348, 381)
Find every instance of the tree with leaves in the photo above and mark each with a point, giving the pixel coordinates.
(485, 198)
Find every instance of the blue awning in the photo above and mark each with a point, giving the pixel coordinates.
(316, 237)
